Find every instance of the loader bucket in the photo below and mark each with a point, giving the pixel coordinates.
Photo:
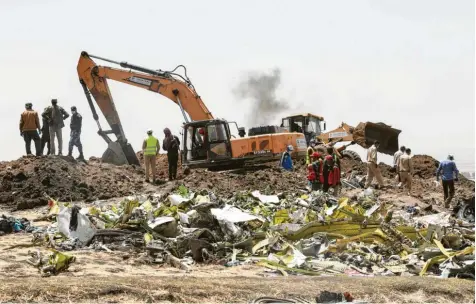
(120, 155)
(366, 133)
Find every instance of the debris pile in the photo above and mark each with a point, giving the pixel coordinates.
(10, 224)
(288, 233)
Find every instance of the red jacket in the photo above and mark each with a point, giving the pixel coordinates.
(333, 170)
(315, 172)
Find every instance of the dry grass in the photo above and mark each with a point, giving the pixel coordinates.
(231, 289)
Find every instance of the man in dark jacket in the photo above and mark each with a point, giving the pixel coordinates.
(45, 135)
(56, 116)
(171, 144)
(75, 137)
(448, 172)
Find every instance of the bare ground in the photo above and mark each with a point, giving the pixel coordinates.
(122, 277)
(193, 289)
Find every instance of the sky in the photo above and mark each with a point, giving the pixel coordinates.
(407, 63)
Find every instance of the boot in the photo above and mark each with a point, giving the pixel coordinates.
(81, 156)
(70, 154)
(448, 202)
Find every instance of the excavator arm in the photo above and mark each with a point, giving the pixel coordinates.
(175, 87)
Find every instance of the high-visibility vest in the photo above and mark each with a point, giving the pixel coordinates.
(309, 152)
(151, 144)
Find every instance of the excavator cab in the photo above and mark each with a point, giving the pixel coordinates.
(309, 124)
(206, 143)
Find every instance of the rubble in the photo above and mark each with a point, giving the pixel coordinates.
(50, 264)
(259, 215)
(10, 224)
(307, 234)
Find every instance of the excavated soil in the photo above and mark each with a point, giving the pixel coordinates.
(424, 185)
(26, 180)
(267, 178)
(162, 166)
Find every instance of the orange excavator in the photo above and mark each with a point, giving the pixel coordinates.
(207, 141)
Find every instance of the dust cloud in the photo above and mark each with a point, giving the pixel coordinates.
(260, 89)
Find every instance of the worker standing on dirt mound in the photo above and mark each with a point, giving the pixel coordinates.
(29, 124)
(56, 116)
(171, 144)
(75, 136)
(449, 174)
(396, 157)
(45, 134)
(150, 148)
(372, 166)
(405, 169)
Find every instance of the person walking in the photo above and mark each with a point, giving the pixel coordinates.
(75, 135)
(396, 157)
(372, 166)
(29, 128)
(449, 175)
(405, 167)
(56, 116)
(150, 148)
(171, 144)
(45, 135)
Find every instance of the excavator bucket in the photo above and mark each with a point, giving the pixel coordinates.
(120, 155)
(366, 133)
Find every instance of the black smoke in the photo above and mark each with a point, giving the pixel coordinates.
(260, 89)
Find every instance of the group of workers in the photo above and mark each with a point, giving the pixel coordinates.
(324, 170)
(403, 165)
(447, 170)
(151, 148)
(53, 118)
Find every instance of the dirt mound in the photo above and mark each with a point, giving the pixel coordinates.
(425, 166)
(162, 166)
(25, 180)
(267, 178)
(424, 185)
(350, 165)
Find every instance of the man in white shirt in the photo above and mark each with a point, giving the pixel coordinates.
(372, 166)
(396, 157)
(405, 168)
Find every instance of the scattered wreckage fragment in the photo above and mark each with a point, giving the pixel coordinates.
(290, 233)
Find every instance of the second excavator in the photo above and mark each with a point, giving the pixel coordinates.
(207, 141)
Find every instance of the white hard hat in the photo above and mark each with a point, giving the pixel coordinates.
(451, 156)
(149, 131)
